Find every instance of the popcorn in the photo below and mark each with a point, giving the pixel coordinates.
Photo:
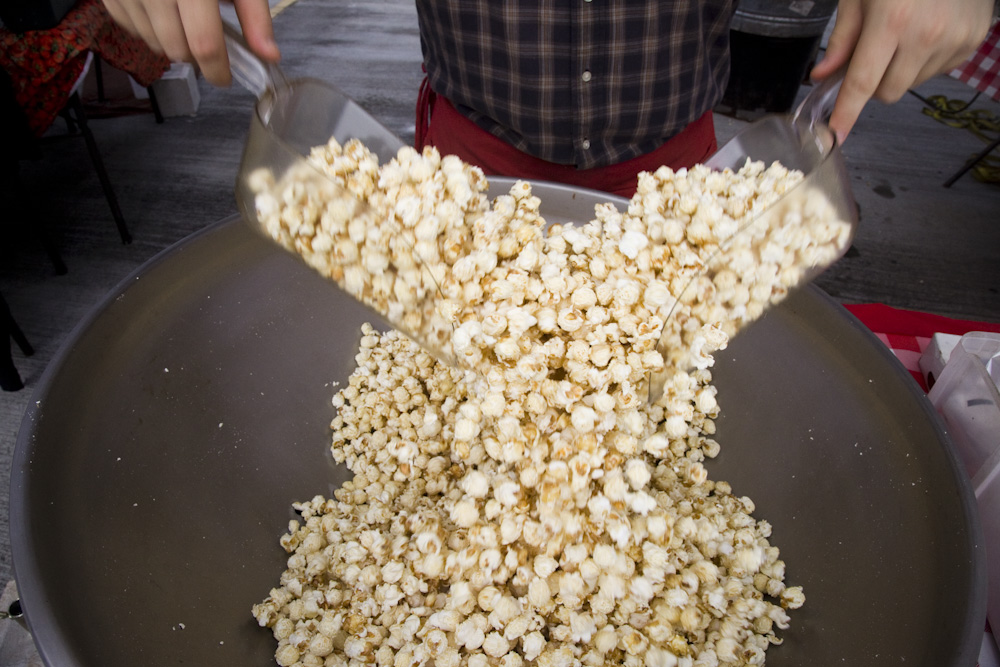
(731, 270)
(528, 504)
(415, 570)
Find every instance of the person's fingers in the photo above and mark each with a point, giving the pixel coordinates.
(165, 19)
(203, 28)
(900, 74)
(906, 72)
(120, 15)
(255, 19)
(872, 56)
(952, 50)
(132, 17)
(143, 26)
(191, 30)
(893, 45)
(934, 66)
(843, 39)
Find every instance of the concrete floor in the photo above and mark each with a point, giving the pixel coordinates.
(920, 246)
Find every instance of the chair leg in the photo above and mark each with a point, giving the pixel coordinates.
(10, 380)
(157, 114)
(13, 199)
(57, 261)
(102, 174)
(99, 79)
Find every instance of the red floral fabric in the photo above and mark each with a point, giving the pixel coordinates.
(44, 64)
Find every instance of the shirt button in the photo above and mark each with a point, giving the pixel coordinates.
(587, 76)
(586, 144)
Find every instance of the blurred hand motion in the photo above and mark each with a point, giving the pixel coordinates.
(191, 30)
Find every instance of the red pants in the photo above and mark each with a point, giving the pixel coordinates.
(440, 125)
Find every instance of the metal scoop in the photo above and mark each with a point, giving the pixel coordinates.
(752, 255)
(289, 119)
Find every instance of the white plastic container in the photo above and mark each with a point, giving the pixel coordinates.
(966, 394)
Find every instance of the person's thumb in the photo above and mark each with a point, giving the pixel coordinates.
(843, 39)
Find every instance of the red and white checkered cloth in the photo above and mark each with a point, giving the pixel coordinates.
(908, 332)
(982, 69)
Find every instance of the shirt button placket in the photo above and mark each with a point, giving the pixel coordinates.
(586, 77)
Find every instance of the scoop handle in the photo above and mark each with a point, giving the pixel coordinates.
(818, 104)
(248, 70)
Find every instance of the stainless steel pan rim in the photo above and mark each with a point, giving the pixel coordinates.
(97, 590)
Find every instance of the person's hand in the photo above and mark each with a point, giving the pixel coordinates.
(894, 45)
(191, 30)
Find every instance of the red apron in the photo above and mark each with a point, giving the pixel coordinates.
(440, 125)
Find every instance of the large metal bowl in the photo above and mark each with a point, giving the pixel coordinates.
(156, 465)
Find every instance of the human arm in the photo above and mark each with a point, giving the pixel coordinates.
(890, 46)
(191, 30)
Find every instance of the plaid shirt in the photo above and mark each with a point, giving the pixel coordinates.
(581, 82)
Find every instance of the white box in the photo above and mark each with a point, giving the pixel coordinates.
(177, 91)
(936, 355)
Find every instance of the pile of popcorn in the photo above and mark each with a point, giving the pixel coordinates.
(527, 504)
